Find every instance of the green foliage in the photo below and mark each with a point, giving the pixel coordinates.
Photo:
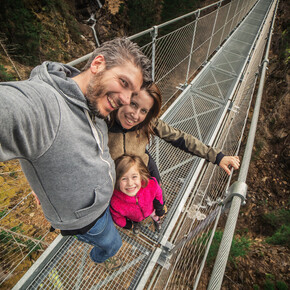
(21, 28)
(3, 213)
(287, 58)
(239, 248)
(144, 14)
(243, 231)
(281, 236)
(4, 75)
(271, 283)
(285, 47)
(16, 228)
(13, 174)
(21, 24)
(214, 246)
(281, 285)
(175, 8)
(8, 238)
(279, 221)
(141, 15)
(277, 218)
(270, 276)
(53, 6)
(259, 146)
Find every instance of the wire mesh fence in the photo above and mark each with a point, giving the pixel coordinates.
(177, 55)
(24, 232)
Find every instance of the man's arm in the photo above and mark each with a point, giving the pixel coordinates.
(28, 124)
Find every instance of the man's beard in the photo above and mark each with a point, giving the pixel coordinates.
(95, 90)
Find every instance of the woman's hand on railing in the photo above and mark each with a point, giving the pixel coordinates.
(228, 162)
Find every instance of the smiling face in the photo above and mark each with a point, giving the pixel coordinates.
(108, 90)
(135, 113)
(130, 182)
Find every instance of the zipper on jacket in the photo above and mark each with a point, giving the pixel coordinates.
(101, 135)
(137, 203)
(96, 135)
(102, 141)
(106, 161)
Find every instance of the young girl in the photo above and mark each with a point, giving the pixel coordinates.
(136, 195)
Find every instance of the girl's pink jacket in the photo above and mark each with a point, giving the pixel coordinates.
(135, 208)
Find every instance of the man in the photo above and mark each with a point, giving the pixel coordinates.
(46, 123)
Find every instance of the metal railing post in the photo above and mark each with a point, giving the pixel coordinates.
(192, 44)
(154, 37)
(250, 4)
(100, 4)
(235, 13)
(221, 40)
(219, 4)
(239, 188)
(242, 12)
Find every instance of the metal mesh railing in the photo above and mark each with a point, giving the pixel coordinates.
(24, 232)
(207, 106)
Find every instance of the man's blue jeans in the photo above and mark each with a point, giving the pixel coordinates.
(104, 237)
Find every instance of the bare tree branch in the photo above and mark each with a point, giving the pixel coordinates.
(7, 54)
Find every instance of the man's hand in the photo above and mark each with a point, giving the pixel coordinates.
(36, 199)
(228, 162)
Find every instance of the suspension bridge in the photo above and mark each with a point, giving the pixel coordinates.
(207, 61)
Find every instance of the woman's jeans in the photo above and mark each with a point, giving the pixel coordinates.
(104, 237)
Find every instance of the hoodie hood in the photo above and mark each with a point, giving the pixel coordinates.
(59, 76)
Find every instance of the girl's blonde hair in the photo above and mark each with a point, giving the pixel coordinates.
(125, 162)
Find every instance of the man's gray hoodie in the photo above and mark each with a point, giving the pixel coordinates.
(44, 125)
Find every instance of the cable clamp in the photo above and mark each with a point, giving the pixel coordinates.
(165, 256)
(265, 60)
(239, 189)
(182, 87)
(154, 33)
(233, 108)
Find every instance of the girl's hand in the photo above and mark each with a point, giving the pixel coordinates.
(165, 212)
(228, 162)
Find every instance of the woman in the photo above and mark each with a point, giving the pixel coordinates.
(131, 126)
